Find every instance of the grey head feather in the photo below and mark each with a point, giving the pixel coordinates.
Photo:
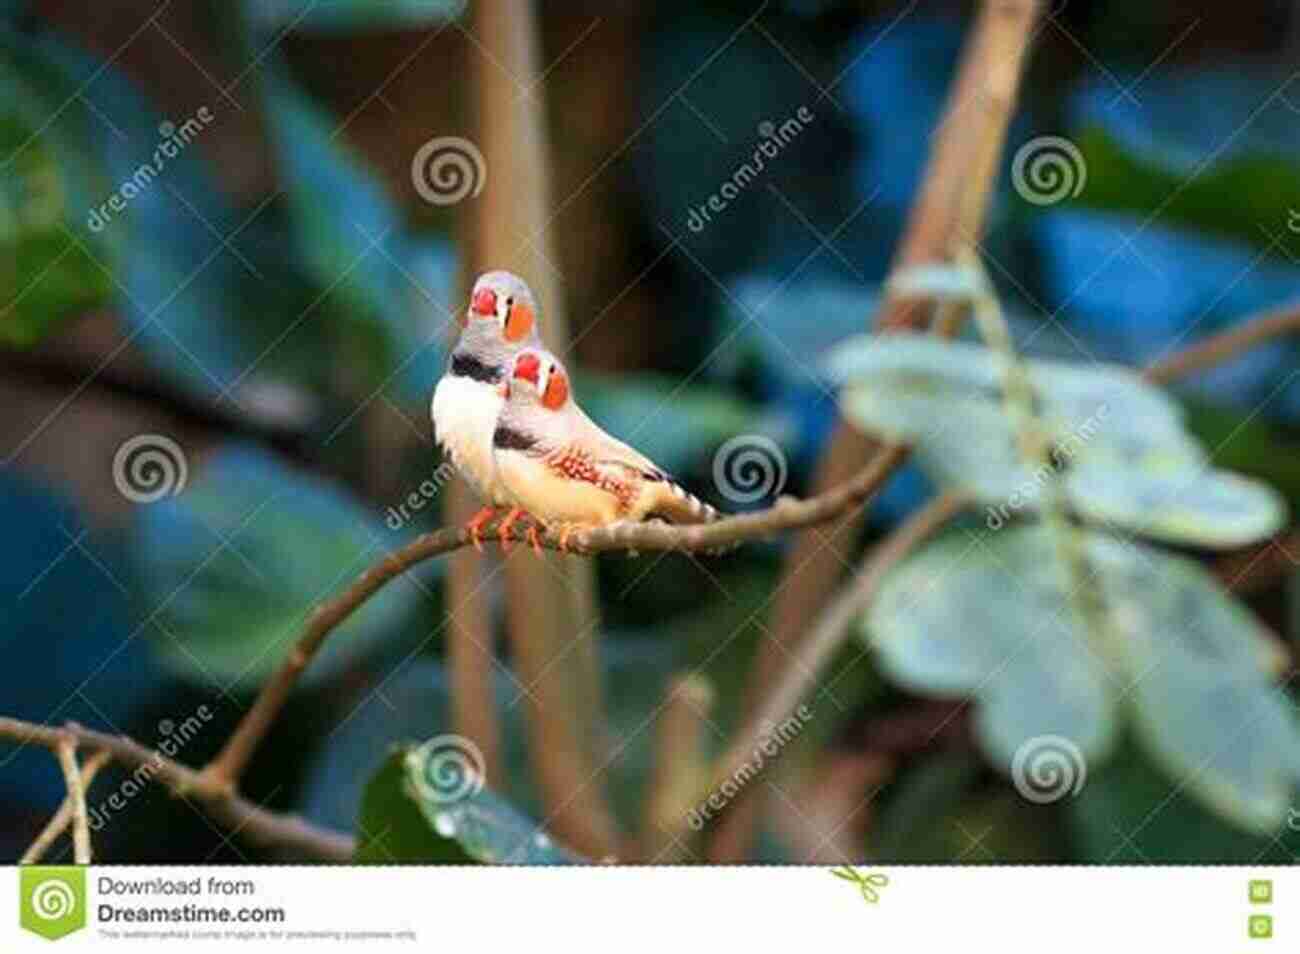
(482, 338)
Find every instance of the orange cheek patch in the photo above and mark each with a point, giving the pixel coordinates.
(519, 322)
(557, 392)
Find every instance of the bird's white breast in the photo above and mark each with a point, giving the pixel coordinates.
(464, 419)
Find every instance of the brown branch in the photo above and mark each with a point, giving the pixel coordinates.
(471, 645)
(230, 811)
(62, 818)
(66, 751)
(551, 622)
(786, 514)
(1215, 351)
(832, 629)
(680, 767)
(949, 211)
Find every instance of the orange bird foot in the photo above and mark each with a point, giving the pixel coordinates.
(475, 526)
(503, 531)
(534, 540)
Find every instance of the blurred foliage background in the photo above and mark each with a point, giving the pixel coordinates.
(277, 300)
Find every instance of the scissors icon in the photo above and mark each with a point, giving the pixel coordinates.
(867, 883)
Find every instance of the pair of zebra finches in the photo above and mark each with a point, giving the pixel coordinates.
(505, 414)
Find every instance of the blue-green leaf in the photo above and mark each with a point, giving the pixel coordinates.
(1201, 670)
(991, 619)
(231, 568)
(51, 179)
(447, 787)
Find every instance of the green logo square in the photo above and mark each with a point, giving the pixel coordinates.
(52, 899)
(1261, 892)
(1261, 926)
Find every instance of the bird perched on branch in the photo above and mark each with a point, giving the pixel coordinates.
(500, 321)
(556, 464)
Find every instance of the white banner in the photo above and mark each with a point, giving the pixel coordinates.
(142, 909)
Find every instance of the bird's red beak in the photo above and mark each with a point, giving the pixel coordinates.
(527, 366)
(484, 302)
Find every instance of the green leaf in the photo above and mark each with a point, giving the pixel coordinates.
(940, 813)
(1195, 507)
(443, 781)
(350, 16)
(350, 238)
(232, 567)
(1130, 812)
(1204, 704)
(1178, 601)
(46, 271)
(1119, 442)
(991, 619)
(391, 828)
(1231, 198)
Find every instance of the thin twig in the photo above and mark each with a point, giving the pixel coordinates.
(831, 630)
(233, 813)
(66, 750)
(58, 824)
(786, 514)
(1215, 351)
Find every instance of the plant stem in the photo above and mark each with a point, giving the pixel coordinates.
(66, 750)
(680, 766)
(230, 811)
(1250, 333)
(58, 824)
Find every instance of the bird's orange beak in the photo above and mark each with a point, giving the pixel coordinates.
(527, 367)
(484, 302)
